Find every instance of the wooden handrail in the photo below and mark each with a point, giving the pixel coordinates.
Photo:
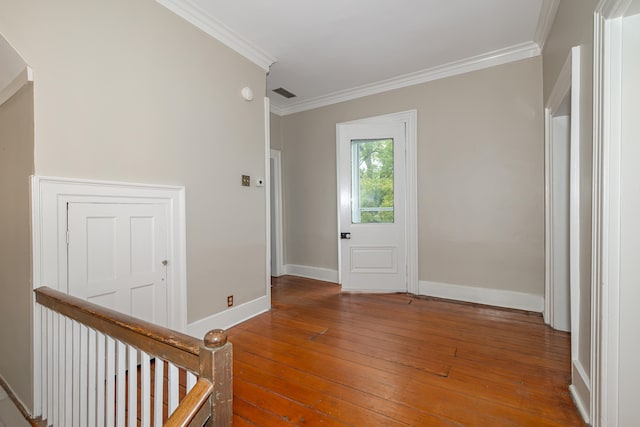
(210, 401)
(190, 408)
(181, 349)
(215, 387)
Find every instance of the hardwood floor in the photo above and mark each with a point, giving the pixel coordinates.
(321, 357)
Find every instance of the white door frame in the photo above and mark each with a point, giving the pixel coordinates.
(267, 200)
(49, 198)
(605, 280)
(410, 119)
(567, 84)
(277, 236)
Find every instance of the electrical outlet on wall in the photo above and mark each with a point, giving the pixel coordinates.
(230, 301)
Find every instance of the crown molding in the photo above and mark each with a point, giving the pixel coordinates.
(611, 9)
(545, 21)
(479, 62)
(216, 29)
(275, 109)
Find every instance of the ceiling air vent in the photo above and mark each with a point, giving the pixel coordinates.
(282, 91)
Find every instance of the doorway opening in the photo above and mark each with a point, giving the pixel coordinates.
(566, 310)
(562, 215)
(275, 206)
(559, 313)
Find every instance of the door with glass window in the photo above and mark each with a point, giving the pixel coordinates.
(372, 207)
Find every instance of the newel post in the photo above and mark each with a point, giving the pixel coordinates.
(216, 365)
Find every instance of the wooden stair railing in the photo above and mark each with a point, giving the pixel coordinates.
(97, 369)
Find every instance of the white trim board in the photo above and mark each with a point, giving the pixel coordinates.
(487, 296)
(216, 29)
(579, 387)
(605, 321)
(317, 273)
(608, 188)
(479, 62)
(229, 317)
(267, 199)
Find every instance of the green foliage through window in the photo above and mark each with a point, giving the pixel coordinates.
(372, 181)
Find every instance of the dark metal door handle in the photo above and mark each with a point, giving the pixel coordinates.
(345, 235)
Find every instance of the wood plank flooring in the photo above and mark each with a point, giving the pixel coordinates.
(320, 357)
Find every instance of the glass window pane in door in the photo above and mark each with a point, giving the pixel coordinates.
(372, 181)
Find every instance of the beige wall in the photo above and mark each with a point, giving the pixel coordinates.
(276, 132)
(10, 416)
(573, 26)
(16, 165)
(128, 91)
(480, 172)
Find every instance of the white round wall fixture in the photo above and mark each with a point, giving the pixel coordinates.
(247, 93)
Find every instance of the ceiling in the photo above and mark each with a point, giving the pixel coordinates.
(331, 50)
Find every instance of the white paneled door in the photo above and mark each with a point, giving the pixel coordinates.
(117, 257)
(372, 185)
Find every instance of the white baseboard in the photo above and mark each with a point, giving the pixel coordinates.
(230, 317)
(580, 390)
(488, 296)
(324, 274)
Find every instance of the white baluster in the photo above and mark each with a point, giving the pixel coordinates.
(121, 372)
(50, 363)
(55, 369)
(61, 370)
(110, 388)
(44, 361)
(133, 386)
(68, 375)
(101, 358)
(172, 389)
(145, 389)
(191, 381)
(158, 392)
(76, 370)
(41, 354)
(92, 359)
(84, 372)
